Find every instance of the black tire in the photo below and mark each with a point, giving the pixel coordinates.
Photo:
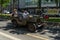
(31, 28)
(14, 23)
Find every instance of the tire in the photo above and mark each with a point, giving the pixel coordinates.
(31, 28)
(14, 23)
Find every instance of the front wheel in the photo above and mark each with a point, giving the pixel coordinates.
(31, 27)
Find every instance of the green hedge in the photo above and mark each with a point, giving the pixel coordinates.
(51, 20)
(54, 20)
(5, 16)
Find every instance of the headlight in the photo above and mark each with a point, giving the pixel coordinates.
(30, 16)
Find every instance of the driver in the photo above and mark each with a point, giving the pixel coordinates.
(14, 12)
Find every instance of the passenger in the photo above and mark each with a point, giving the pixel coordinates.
(46, 17)
(25, 14)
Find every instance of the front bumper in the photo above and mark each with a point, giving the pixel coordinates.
(39, 25)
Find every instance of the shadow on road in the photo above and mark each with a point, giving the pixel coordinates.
(24, 30)
(13, 30)
(56, 37)
(1, 19)
(54, 30)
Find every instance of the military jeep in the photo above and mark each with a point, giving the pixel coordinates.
(32, 23)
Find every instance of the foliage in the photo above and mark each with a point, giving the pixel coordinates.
(39, 3)
(4, 3)
(51, 19)
(5, 16)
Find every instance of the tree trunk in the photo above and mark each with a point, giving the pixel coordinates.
(39, 3)
(56, 1)
(59, 3)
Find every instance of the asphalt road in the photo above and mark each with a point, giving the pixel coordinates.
(7, 32)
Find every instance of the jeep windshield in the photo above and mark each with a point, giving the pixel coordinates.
(34, 12)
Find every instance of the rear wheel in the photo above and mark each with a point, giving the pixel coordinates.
(14, 23)
(31, 27)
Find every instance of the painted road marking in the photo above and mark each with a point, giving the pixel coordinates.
(14, 38)
(8, 36)
(39, 37)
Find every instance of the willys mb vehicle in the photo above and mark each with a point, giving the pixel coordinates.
(32, 23)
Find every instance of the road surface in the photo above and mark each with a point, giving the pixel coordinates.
(7, 32)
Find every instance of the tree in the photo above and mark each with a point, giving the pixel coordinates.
(59, 3)
(56, 1)
(14, 3)
(1, 2)
(4, 3)
(39, 3)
